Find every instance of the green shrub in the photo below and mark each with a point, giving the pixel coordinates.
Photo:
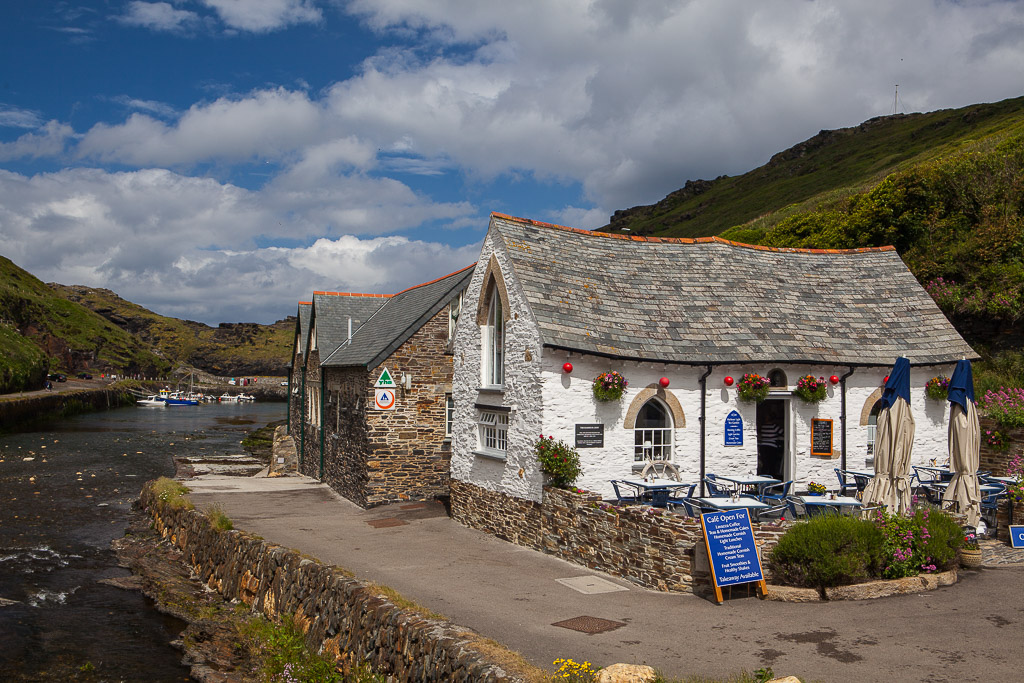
(923, 541)
(828, 551)
(558, 460)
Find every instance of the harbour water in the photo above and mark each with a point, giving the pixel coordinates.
(65, 490)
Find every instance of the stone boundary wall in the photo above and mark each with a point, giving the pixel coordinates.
(16, 410)
(996, 460)
(341, 615)
(649, 547)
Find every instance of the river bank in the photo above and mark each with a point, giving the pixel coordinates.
(19, 411)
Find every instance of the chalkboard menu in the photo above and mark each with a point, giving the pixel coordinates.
(729, 539)
(590, 435)
(733, 429)
(821, 437)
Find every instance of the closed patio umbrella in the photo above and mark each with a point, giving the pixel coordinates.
(894, 440)
(964, 444)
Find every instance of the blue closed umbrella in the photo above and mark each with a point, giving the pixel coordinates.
(964, 444)
(898, 383)
(961, 385)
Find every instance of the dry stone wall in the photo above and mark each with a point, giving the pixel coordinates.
(340, 615)
(650, 547)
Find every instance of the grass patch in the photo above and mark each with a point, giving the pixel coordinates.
(219, 519)
(279, 653)
(172, 493)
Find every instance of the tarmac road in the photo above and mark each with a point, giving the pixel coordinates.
(967, 632)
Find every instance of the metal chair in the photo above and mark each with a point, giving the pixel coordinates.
(774, 512)
(621, 499)
(989, 507)
(845, 486)
(796, 506)
(776, 492)
(659, 498)
(716, 490)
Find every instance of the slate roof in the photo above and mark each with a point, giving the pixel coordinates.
(331, 313)
(397, 320)
(708, 300)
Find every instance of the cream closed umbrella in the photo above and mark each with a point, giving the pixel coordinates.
(894, 441)
(964, 445)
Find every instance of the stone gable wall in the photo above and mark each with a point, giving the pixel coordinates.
(994, 460)
(373, 457)
(340, 615)
(649, 547)
(309, 454)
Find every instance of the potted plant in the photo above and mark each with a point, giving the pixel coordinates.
(753, 387)
(816, 489)
(608, 386)
(937, 388)
(811, 389)
(558, 460)
(970, 552)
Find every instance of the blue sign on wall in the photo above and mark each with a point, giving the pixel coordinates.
(731, 549)
(733, 429)
(1017, 535)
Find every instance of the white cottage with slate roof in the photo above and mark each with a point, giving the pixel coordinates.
(683, 320)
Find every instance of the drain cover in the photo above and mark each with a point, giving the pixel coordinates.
(589, 624)
(386, 522)
(591, 585)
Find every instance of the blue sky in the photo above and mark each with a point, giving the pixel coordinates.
(218, 160)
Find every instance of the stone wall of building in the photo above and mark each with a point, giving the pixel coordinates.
(410, 454)
(347, 447)
(340, 615)
(649, 547)
(309, 436)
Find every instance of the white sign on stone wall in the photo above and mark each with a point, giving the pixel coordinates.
(384, 399)
(385, 381)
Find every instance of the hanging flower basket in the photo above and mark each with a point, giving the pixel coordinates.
(608, 386)
(937, 388)
(811, 390)
(753, 388)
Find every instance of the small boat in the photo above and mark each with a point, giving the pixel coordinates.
(177, 398)
(227, 398)
(246, 397)
(151, 400)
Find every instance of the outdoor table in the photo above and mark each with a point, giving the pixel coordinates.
(839, 502)
(730, 504)
(1003, 480)
(986, 489)
(943, 473)
(645, 489)
(746, 481)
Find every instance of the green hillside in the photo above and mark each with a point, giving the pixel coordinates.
(229, 349)
(68, 337)
(832, 164)
(945, 188)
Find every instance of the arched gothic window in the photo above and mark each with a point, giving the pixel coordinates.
(652, 435)
(777, 379)
(494, 341)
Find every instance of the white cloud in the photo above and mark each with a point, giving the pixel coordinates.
(152, 106)
(48, 141)
(14, 117)
(159, 16)
(187, 247)
(267, 124)
(264, 15)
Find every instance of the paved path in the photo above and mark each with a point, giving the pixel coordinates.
(967, 632)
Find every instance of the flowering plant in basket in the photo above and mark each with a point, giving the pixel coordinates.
(558, 460)
(810, 389)
(937, 388)
(608, 386)
(753, 387)
(970, 542)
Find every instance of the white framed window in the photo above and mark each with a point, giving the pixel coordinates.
(449, 414)
(313, 405)
(652, 435)
(494, 342)
(312, 339)
(493, 431)
(873, 427)
(454, 310)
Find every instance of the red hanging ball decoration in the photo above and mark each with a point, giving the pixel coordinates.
(834, 379)
(886, 379)
(663, 382)
(728, 381)
(567, 367)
